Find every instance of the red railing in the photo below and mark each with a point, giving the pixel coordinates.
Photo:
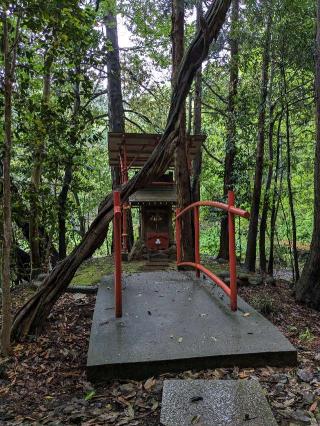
(117, 253)
(233, 211)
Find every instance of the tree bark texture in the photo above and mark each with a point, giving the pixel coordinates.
(251, 252)
(308, 286)
(197, 122)
(229, 173)
(31, 317)
(266, 199)
(182, 165)
(9, 63)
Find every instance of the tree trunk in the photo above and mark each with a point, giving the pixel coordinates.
(296, 273)
(182, 165)
(308, 286)
(266, 200)
(36, 172)
(21, 217)
(9, 65)
(197, 122)
(116, 111)
(62, 206)
(82, 219)
(31, 317)
(250, 262)
(275, 199)
(229, 175)
(68, 172)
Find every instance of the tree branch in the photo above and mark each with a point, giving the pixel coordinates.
(210, 155)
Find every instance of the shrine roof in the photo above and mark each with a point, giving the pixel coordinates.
(139, 146)
(167, 194)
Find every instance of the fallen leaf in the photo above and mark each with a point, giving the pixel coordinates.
(313, 407)
(130, 411)
(155, 405)
(195, 419)
(289, 402)
(243, 375)
(149, 383)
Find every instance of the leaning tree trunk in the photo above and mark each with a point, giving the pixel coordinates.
(197, 162)
(31, 317)
(229, 175)
(308, 287)
(182, 174)
(250, 261)
(115, 100)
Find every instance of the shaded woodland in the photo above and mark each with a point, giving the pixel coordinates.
(244, 73)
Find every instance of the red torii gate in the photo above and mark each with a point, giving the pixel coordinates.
(233, 211)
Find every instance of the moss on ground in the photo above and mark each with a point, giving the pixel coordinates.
(91, 272)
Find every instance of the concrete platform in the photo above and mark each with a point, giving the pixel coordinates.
(174, 322)
(215, 402)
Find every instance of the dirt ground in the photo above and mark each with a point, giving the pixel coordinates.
(44, 382)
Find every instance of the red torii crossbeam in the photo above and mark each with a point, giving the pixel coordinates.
(233, 211)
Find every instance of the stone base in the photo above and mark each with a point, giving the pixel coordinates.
(174, 322)
(215, 403)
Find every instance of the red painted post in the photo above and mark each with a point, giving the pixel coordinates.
(232, 253)
(196, 238)
(117, 253)
(124, 180)
(124, 228)
(178, 237)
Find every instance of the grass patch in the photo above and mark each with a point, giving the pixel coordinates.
(264, 304)
(307, 335)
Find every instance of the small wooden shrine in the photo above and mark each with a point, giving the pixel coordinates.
(130, 151)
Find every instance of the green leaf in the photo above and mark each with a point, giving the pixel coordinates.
(90, 395)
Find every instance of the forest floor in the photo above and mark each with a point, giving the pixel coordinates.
(44, 381)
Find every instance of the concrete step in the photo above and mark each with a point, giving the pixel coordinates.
(157, 262)
(156, 267)
(215, 402)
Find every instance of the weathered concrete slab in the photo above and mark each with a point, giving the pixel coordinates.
(173, 322)
(215, 402)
